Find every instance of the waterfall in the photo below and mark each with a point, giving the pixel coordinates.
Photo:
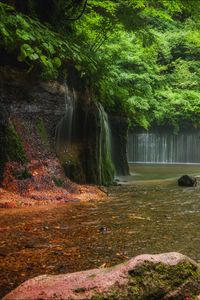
(164, 147)
(106, 169)
(64, 128)
(83, 142)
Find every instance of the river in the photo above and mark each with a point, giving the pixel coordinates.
(147, 213)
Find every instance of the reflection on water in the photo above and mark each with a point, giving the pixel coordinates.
(145, 217)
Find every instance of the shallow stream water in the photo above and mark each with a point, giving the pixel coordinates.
(148, 213)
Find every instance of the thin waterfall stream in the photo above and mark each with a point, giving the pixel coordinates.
(65, 126)
(105, 147)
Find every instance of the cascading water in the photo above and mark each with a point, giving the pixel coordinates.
(82, 150)
(64, 128)
(106, 169)
(164, 147)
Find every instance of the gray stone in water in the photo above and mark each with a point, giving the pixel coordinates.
(187, 181)
(168, 276)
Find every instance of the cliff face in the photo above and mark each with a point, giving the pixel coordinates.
(119, 129)
(35, 125)
(33, 109)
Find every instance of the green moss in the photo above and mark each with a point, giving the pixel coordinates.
(58, 181)
(14, 147)
(23, 174)
(41, 130)
(154, 281)
(73, 169)
(71, 164)
(107, 170)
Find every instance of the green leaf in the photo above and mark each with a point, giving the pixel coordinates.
(22, 21)
(56, 62)
(34, 56)
(24, 35)
(26, 50)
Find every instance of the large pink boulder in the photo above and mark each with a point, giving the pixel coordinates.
(163, 276)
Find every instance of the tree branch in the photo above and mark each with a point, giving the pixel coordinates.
(79, 16)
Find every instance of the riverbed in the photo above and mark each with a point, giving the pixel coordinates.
(147, 213)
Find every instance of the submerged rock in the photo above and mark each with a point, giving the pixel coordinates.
(186, 180)
(163, 276)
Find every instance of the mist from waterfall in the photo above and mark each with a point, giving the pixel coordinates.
(164, 147)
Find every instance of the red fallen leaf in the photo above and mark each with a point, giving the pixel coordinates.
(8, 205)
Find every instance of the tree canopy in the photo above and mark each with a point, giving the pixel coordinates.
(142, 56)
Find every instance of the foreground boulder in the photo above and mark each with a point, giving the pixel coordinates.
(164, 276)
(186, 180)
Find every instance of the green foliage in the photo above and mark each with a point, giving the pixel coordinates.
(14, 147)
(58, 181)
(178, 98)
(147, 54)
(41, 130)
(36, 44)
(141, 56)
(152, 75)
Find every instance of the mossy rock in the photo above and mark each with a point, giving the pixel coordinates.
(41, 130)
(167, 276)
(74, 171)
(107, 171)
(13, 144)
(157, 282)
(11, 149)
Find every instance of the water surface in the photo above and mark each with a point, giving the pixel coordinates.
(151, 171)
(147, 216)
